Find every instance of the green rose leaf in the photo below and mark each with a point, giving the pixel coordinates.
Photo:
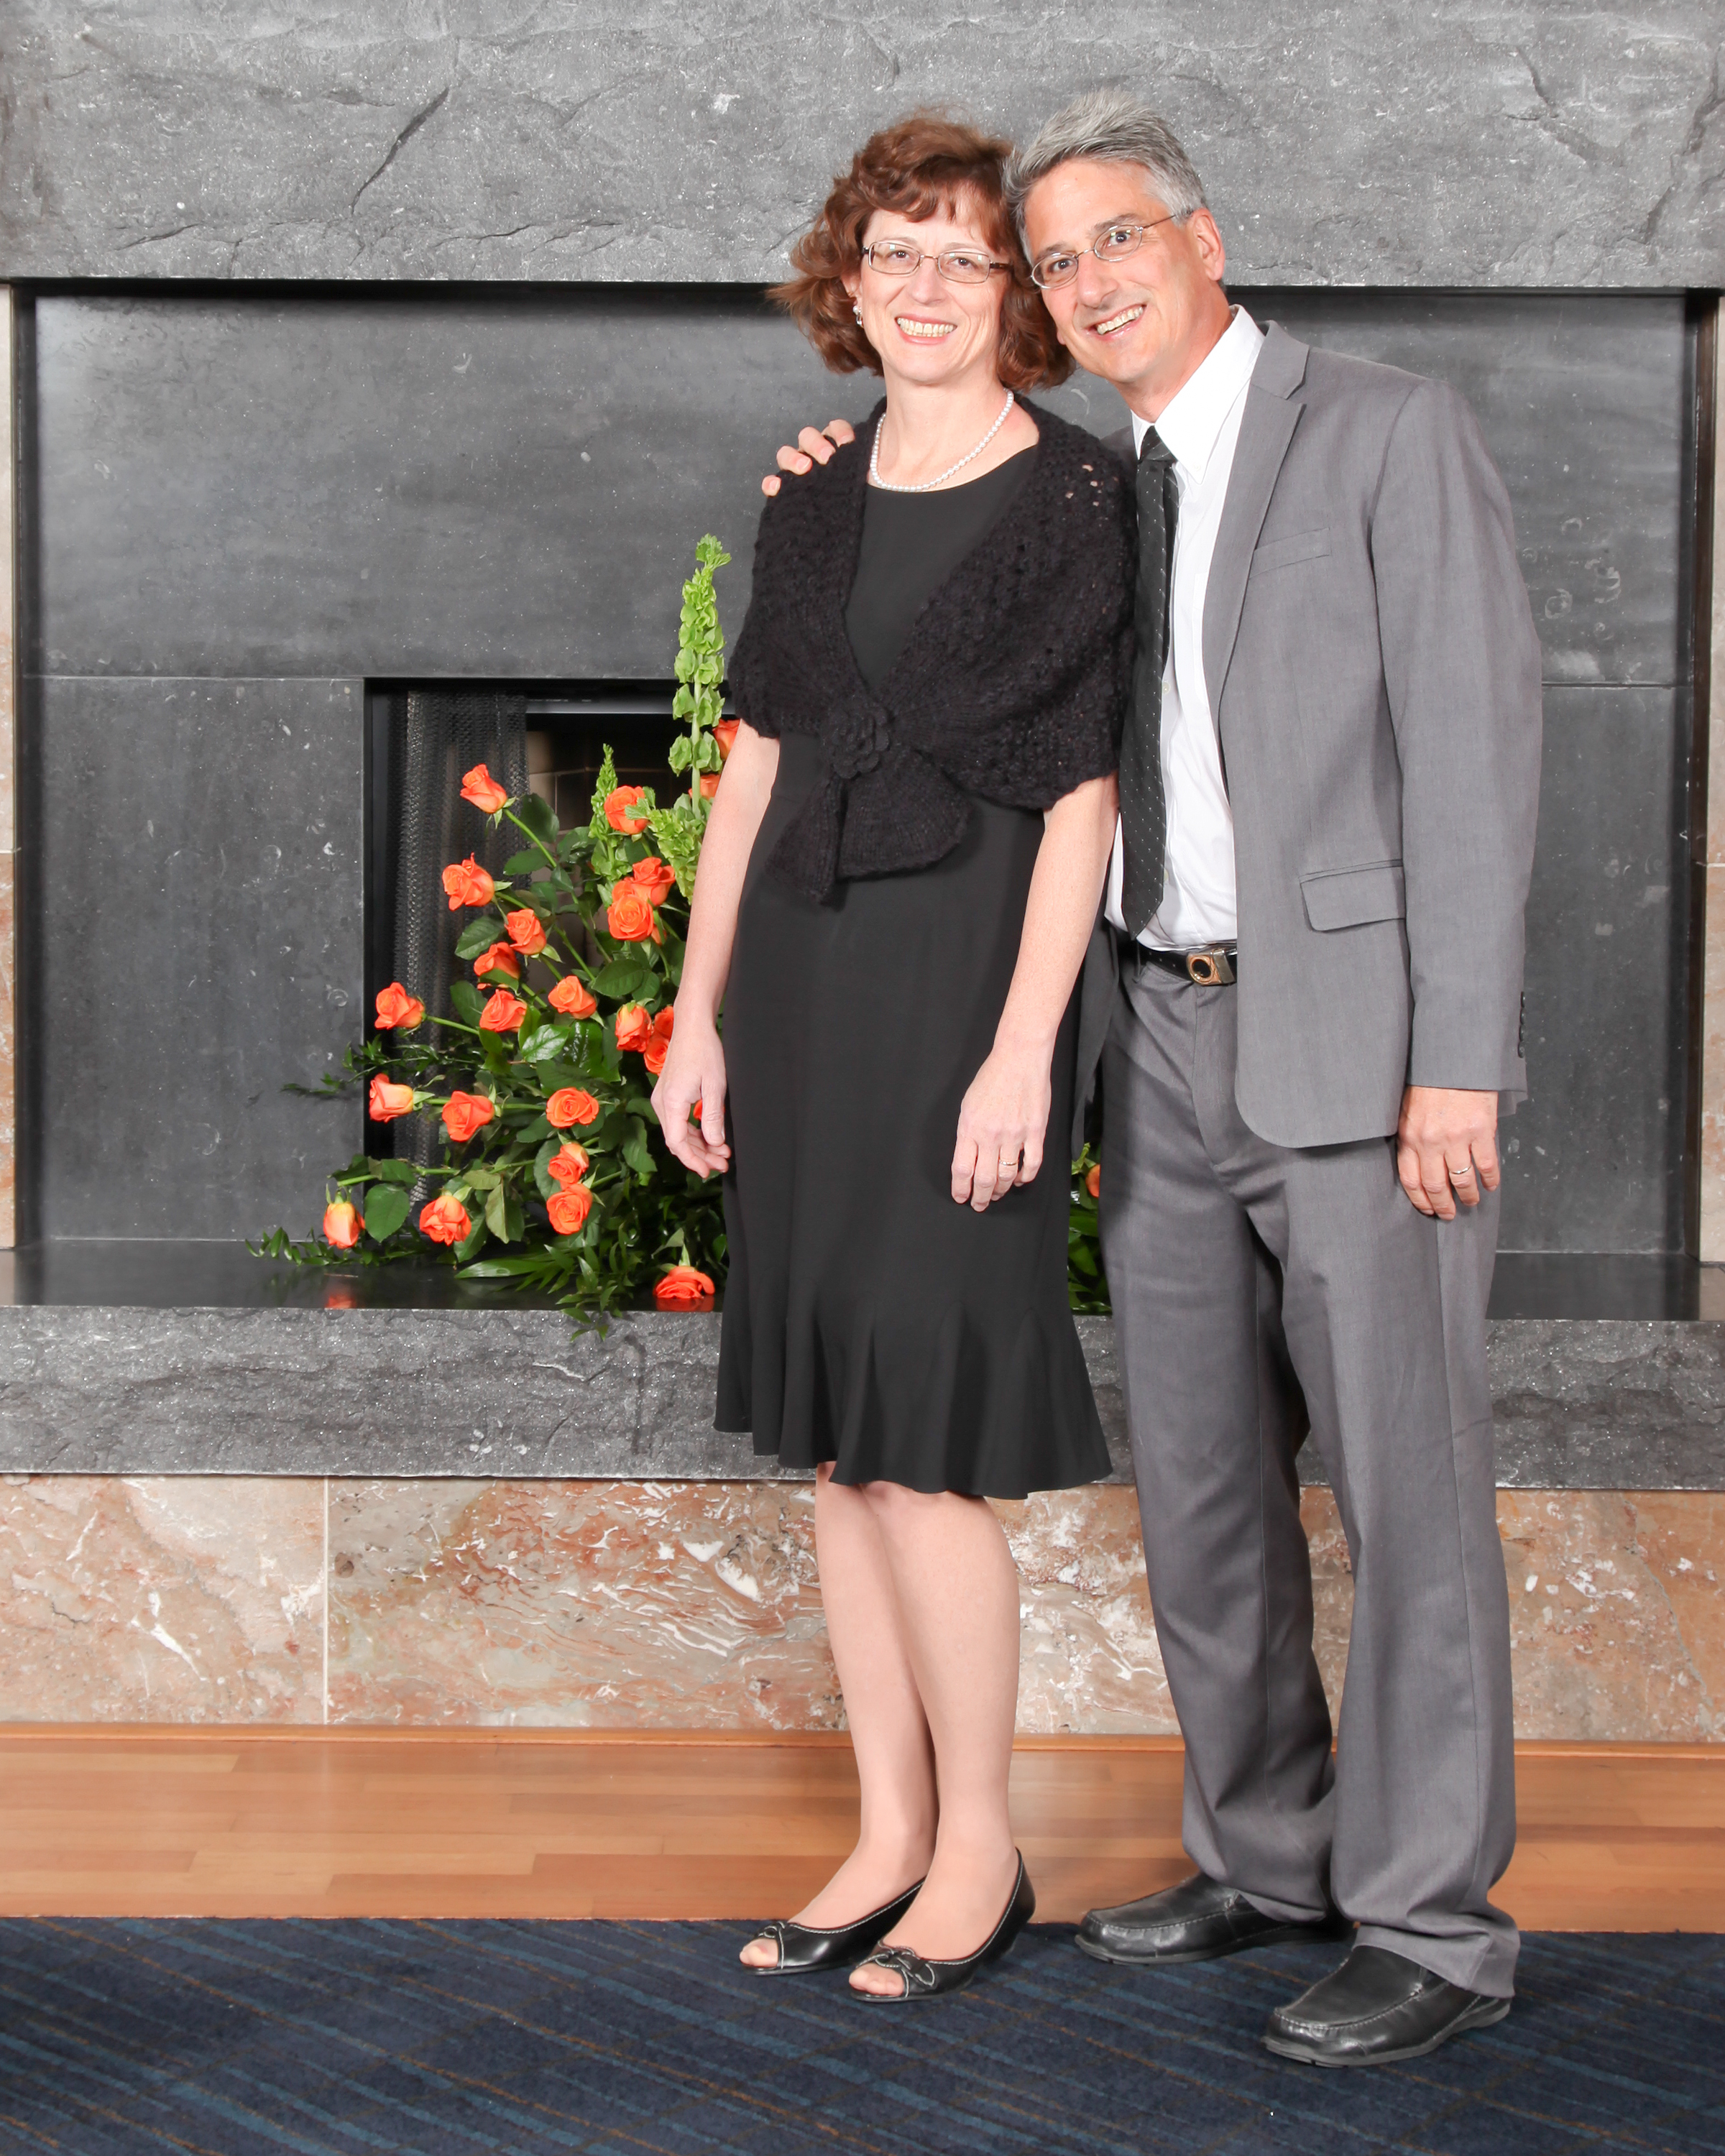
(520, 864)
(465, 997)
(537, 814)
(623, 978)
(541, 1045)
(478, 935)
(386, 1209)
(635, 1148)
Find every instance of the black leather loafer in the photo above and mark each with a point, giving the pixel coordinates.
(804, 1948)
(1377, 2008)
(932, 1979)
(1198, 1920)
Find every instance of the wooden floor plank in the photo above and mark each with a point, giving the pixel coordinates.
(310, 1822)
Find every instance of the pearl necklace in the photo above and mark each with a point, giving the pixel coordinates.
(924, 486)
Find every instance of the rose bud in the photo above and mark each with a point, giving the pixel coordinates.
(503, 1013)
(479, 787)
(468, 884)
(569, 1208)
(635, 1029)
(654, 1053)
(500, 958)
(570, 1105)
(1093, 1181)
(341, 1224)
(445, 1221)
(398, 1011)
(571, 998)
(620, 810)
(629, 915)
(708, 784)
(388, 1100)
(464, 1113)
(664, 1021)
(724, 734)
(683, 1288)
(569, 1165)
(526, 931)
(655, 879)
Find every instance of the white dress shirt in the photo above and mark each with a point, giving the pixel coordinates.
(1200, 425)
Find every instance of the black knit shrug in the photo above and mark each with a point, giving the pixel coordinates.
(1013, 684)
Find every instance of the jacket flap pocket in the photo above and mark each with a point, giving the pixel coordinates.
(1347, 898)
(1297, 547)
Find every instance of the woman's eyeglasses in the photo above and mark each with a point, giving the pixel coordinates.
(1113, 245)
(958, 265)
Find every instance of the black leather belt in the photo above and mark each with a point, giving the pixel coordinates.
(1216, 966)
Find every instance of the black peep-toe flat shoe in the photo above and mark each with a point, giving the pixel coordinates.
(804, 1948)
(930, 1979)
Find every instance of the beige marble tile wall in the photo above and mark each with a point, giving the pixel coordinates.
(1712, 1070)
(695, 1606)
(8, 723)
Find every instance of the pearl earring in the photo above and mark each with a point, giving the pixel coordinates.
(856, 309)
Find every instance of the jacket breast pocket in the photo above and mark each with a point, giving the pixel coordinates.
(1348, 898)
(1297, 547)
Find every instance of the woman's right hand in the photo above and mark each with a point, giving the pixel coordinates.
(694, 1074)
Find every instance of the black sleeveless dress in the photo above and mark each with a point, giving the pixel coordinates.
(869, 1320)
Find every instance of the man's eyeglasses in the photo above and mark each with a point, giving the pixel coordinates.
(959, 265)
(1113, 245)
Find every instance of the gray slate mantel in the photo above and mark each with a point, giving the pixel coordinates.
(1468, 142)
(1581, 1404)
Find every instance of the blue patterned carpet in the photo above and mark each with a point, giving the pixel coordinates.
(632, 2039)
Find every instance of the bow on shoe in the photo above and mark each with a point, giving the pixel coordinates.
(918, 1974)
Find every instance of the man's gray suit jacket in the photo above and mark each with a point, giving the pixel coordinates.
(1375, 677)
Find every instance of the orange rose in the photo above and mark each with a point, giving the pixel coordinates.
(683, 1288)
(708, 784)
(503, 1013)
(629, 915)
(341, 1224)
(665, 1022)
(479, 787)
(526, 931)
(464, 1113)
(655, 879)
(569, 1210)
(619, 810)
(1093, 1181)
(571, 998)
(654, 1053)
(724, 734)
(500, 958)
(570, 1105)
(635, 1029)
(445, 1221)
(569, 1165)
(468, 885)
(389, 1100)
(398, 1011)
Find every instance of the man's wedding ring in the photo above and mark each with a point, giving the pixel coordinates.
(1462, 1175)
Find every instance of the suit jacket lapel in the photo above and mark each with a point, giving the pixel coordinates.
(1272, 412)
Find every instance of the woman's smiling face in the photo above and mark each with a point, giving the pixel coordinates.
(926, 327)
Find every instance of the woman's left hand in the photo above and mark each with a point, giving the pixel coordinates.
(1001, 1123)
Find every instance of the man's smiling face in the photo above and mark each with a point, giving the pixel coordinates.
(1143, 322)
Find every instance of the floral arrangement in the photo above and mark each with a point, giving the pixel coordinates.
(556, 1175)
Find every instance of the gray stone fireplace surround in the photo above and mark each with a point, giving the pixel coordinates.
(404, 343)
(239, 507)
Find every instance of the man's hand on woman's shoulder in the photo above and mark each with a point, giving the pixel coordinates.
(813, 447)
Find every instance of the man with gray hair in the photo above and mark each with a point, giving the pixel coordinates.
(1305, 1001)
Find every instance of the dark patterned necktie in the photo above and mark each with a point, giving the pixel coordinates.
(1144, 811)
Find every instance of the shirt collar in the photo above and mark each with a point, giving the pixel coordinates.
(1192, 418)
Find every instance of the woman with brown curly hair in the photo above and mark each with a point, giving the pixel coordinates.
(901, 870)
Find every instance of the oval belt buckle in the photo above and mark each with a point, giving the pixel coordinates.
(1210, 969)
